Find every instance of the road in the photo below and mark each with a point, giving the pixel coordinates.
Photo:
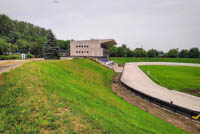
(134, 77)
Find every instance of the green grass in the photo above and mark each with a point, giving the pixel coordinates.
(122, 60)
(70, 96)
(181, 78)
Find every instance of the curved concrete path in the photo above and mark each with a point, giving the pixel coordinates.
(134, 77)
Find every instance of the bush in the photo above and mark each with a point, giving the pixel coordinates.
(9, 57)
(29, 56)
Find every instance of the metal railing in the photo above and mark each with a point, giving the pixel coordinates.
(170, 106)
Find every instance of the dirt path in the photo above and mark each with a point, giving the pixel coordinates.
(7, 65)
(134, 77)
(175, 119)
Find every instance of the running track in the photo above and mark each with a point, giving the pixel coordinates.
(134, 77)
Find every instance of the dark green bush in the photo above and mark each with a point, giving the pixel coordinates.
(29, 56)
(9, 57)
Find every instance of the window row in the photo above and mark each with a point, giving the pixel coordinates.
(82, 51)
(82, 46)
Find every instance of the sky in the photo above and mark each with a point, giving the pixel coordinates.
(159, 24)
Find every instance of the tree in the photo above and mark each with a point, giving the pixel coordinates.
(113, 51)
(23, 46)
(172, 53)
(152, 53)
(13, 48)
(184, 54)
(62, 44)
(36, 48)
(4, 46)
(13, 37)
(194, 53)
(139, 52)
(51, 51)
(22, 36)
(129, 53)
(6, 25)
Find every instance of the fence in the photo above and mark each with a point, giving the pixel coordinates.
(170, 106)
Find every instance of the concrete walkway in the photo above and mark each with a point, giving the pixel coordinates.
(134, 77)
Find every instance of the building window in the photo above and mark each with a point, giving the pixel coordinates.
(87, 51)
(76, 51)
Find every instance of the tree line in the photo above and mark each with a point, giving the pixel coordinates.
(22, 37)
(124, 51)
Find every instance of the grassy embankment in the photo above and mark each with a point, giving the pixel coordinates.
(180, 78)
(122, 60)
(70, 97)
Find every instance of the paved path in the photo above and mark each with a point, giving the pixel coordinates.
(7, 65)
(134, 77)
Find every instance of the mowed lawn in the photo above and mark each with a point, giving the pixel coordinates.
(70, 96)
(180, 78)
(122, 60)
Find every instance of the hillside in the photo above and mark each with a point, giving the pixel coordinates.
(71, 96)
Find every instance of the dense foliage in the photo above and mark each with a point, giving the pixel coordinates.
(184, 54)
(19, 36)
(22, 37)
(124, 51)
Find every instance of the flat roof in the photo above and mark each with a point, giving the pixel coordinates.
(104, 42)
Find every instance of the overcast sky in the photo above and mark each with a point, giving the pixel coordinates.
(160, 24)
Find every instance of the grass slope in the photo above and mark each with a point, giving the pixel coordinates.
(70, 97)
(123, 60)
(180, 78)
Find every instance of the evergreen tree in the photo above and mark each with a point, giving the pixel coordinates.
(184, 54)
(51, 51)
(194, 53)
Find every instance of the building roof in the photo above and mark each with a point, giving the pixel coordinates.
(103, 42)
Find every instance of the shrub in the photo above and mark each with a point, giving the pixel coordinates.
(9, 57)
(29, 56)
